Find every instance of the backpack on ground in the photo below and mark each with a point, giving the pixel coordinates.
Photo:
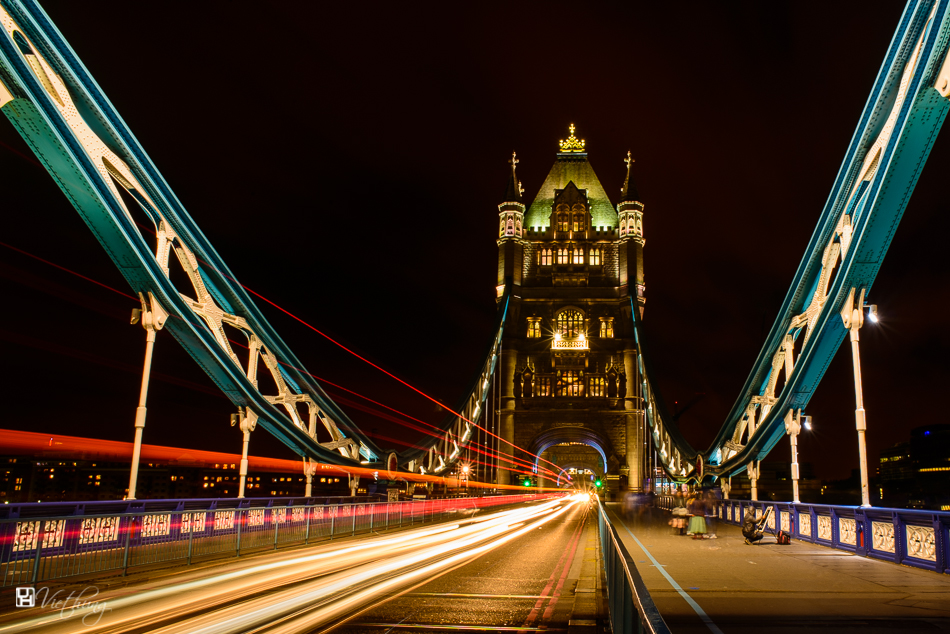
(783, 538)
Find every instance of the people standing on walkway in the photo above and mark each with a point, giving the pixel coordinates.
(697, 517)
(678, 521)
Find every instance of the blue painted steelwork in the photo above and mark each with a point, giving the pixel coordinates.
(56, 105)
(902, 536)
(895, 133)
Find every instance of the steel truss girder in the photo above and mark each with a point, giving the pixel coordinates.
(436, 456)
(60, 111)
(897, 129)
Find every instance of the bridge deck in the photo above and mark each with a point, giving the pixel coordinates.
(724, 585)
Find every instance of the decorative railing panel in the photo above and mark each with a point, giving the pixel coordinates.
(33, 550)
(904, 536)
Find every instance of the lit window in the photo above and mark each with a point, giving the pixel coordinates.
(562, 256)
(578, 256)
(607, 327)
(570, 323)
(534, 327)
(563, 222)
(598, 386)
(580, 224)
(545, 257)
(595, 257)
(542, 386)
(569, 383)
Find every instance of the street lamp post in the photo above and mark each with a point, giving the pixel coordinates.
(852, 314)
(152, 317)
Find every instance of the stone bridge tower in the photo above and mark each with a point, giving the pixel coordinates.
(569, 361)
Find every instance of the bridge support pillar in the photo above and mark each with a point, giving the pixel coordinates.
(152, 317)
(509, 360)
(753, 470)
(634, 452)
(309, 470)
(635, 447)
(852, 314)
(247, 421)
(793, 426)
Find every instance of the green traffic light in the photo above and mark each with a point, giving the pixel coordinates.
(598, 483)
(527, 482)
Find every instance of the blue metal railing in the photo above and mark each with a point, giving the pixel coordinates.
(67, 541)
(903, 536)
(631, 606)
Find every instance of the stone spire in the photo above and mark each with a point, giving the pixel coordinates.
(629, 192)
(514, 191)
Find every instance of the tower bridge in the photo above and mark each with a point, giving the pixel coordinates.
(574, 262)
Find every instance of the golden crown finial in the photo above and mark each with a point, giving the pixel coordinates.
(573, 144)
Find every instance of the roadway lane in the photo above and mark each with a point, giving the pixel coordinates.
(526, 585)
(310, 589)
(724, 585)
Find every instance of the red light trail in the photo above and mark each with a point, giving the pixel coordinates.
(510, 458)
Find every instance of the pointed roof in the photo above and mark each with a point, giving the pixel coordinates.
(513, 191)
(629, 192)
(572, 166)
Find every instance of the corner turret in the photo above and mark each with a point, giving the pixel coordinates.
(510, 230)
(630, 215)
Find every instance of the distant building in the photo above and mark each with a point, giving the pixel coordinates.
(35, 479)
(916, 473)
(38, 467)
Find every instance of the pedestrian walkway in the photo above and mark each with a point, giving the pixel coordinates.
(724, 585)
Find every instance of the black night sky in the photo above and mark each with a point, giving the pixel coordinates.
(347, 159)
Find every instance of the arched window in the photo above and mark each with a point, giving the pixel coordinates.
(595, 256)
(562, 256)
(578, 256)
(580, 223)
(563, 222)
(544, 257)
(570, 324)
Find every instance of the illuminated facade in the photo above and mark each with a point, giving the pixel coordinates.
(575, 260)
